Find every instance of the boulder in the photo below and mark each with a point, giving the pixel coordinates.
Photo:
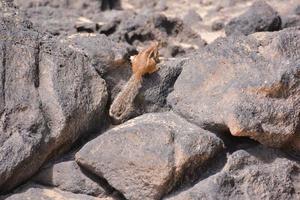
(290, 21)
(148, 156)
(217, 25)
(259, 173)
(38, 192)
(50, 96)
(297, 10)
(259, 17)
(249, 86)
(104, 54)
(68, 176)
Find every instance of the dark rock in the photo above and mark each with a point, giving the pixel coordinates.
(81, 6)
(38, 192)
(56, 21)
(217, 25)
(50, 96)
(110, 4)
(68, 176)
(60, 17)
(157, 86)
(248, 85)
(259, 17)
(108, 21)
(257, 173)
(138, 29)
(290, 21)
(146, 157)
(297, 10)
(174, 51)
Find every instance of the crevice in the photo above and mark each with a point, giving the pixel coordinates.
(36, 76)
(4, 50)
(111, 191)
(110, 4)
(207, 169)
(232, 143)
(215, 164)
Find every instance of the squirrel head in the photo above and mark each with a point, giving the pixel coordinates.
(145, 61)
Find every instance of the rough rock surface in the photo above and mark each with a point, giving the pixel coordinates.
(256, 173)
(249, 85)
(38, 192)
(297, 10)
(290, 21)
(146, 157)
(140, 28)
(105, 55)
(259, 17)
(53, 92)
(57, 17)
(50, 95)
(126, 26)
(68, 176)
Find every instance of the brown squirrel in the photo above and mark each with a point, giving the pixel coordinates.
(143, 63)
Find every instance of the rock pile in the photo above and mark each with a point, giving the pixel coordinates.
(220, 118)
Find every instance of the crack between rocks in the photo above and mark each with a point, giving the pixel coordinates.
(37, 66)
(169, 184)
(206, 170)
(111, 191)
(4, 71)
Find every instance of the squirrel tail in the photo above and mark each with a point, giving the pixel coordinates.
(122, 106)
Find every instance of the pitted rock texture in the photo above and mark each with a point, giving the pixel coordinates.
(146, 157)
(50, 96)
(255, 173)
(60, 71)
(104, 54)
(260, 17)
(247, 85)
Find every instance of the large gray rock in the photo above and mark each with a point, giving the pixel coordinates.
(146, 157)
(259, 17)
(290, 21)
(38, 192)
(257, 173)
(105, 55)
(50, 95)
(249, 85)
(68, 176)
